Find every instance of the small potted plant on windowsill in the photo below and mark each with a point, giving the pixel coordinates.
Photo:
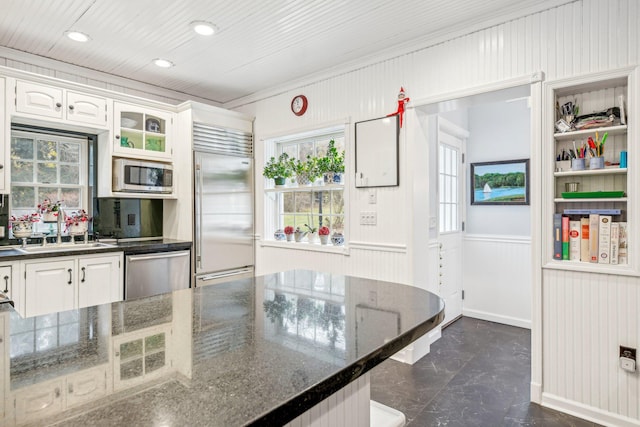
(278, 169)
(323, 232)
(22, 226)
(49, 211)
(312, 233)
(332, 164)
(299, 234)
(288, 231)
(77, 223)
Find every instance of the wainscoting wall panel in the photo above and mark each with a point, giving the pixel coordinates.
(497, 279)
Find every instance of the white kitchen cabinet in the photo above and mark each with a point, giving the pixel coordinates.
(6, 279)
(100, 280)
(66, 283)
(4, 355)
(142, 132)
(141, 356)
(43, 400)
(86, 386)
(43, 101)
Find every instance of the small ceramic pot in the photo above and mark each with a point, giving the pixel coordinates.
(303, 179)
(324, 239)
(299, 235)
(290, 237)
(50, 217)
(279, 235)
(21, 229)
(279, 181)
(77, 229)
(337, 239)
(312, 237)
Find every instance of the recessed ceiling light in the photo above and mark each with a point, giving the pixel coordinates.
(163, 63)
(77, 36)
(204, 28)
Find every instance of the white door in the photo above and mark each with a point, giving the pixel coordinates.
(38, 99)
(50, 287)
(100, 280)
(86, 108)
(451, 141)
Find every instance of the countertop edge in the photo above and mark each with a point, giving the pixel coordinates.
(307, 399)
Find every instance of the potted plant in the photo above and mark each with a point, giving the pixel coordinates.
(323, 232)
(77, 223)
(312, 233)
(22, 226)
(300, 170)
(333, 164)
(288, 231)
(278, 169)
(314, 170)
(49, 211)
(299, 234)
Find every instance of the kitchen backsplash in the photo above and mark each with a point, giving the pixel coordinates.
(127, 218)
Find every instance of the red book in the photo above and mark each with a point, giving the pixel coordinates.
(565, 237)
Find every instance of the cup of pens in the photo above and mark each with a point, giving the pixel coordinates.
(596, 150)
(577, 164)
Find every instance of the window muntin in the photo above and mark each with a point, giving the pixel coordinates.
(448, 188)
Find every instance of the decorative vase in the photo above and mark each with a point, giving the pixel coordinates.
(290, 237)
(337, 178)
(76, 229)
(50, 217)
(332, 178)
(337, 239)
(303, 179)
(279, 181)
(312, 237)
(279, 235)
(299, 235)
(21, 229)
(324, 239)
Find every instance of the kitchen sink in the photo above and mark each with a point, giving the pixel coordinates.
(64, 247)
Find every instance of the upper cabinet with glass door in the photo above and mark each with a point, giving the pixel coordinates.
(142, 132)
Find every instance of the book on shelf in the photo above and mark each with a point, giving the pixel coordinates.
(584, 240)
(557, 236)
(615, 242)
(565, 237)
(574, 240)
(622, 244)
(594, 220)
(604, 239)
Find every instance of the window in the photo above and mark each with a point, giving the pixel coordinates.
(50, 167)
(315, 205)
(448, 181)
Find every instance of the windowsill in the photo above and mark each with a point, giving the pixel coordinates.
(305, 246)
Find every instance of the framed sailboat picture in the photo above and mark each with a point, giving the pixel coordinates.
(503, 182)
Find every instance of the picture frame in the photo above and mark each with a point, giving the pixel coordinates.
(504, 182)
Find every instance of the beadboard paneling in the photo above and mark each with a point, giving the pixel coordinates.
(497, 279)
(586, 318)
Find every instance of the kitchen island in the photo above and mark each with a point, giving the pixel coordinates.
(295, 345)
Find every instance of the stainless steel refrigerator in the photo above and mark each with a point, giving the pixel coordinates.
(224, 220)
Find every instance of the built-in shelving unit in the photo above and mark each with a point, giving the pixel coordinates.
(591, 94)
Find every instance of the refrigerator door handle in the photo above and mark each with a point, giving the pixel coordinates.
(199, 215)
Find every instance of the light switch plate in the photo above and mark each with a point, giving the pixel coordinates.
(373, 197)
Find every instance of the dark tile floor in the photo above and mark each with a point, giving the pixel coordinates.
(477, 374)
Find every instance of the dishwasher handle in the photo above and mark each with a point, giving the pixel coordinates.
(158, 255)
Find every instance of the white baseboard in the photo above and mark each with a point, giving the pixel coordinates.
(588, 413)
(491, 317)
(536, 392)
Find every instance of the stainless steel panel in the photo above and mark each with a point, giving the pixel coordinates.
(157, 273)
(224, 212)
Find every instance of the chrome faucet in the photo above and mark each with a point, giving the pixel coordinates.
(59, 231)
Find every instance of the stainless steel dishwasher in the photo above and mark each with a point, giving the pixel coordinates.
(156, 273)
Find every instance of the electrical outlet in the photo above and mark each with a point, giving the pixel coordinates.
(368, 218)
(628, 358)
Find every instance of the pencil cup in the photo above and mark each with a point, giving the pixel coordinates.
(563, 165)
(596, 163)
(577, 164)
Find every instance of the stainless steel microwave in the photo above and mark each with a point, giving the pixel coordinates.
(134, 176)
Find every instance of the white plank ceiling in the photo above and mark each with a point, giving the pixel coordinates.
(259, 45)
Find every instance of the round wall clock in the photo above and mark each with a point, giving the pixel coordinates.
(299, 105)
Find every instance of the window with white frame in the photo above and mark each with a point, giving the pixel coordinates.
(316, 205)
(45, 166)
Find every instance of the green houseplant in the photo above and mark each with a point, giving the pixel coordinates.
(278, 169)
(332, 164)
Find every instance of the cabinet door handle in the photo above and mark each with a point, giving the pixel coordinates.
(58, 105)
(71, 107)
(69, 271)
(57, 392)
(83, 274)
(117, 136)
(1, 166)
(6, 284)
(70, 388)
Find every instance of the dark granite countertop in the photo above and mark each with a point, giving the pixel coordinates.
(255, 351)
(13, 253)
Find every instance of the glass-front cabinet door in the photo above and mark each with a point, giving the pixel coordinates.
(141, 132)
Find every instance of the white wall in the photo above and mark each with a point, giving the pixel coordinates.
(608, 35)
